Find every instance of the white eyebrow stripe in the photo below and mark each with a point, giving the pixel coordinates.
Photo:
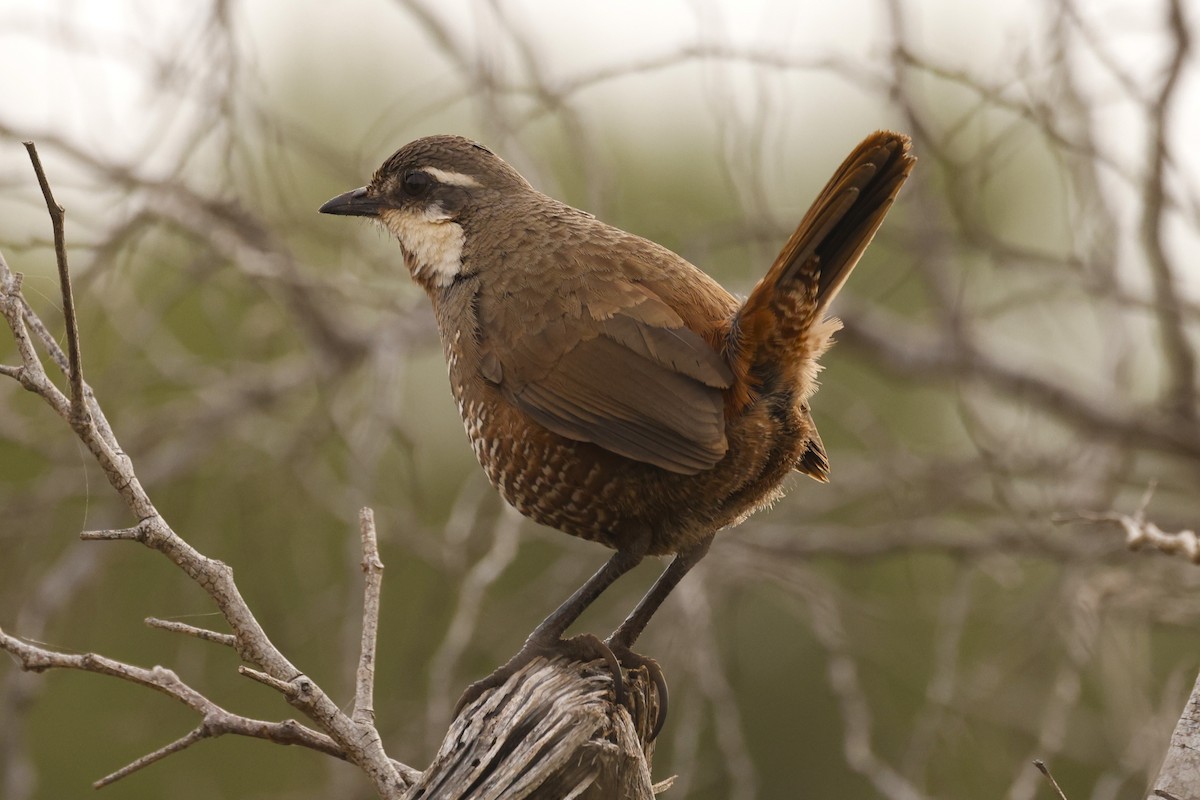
(451, 178)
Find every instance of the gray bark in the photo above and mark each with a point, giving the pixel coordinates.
(551, 731)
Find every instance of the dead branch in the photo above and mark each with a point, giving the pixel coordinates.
(359, 742)
(57, 217)
(216, 720)
(364, 692)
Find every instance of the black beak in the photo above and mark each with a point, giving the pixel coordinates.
(355, 203)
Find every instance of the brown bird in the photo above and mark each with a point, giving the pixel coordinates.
(609, 388)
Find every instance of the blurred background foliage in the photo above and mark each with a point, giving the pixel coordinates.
(924, 626)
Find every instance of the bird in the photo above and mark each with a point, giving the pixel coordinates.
(609, 388)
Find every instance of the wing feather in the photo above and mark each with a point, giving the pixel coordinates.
(627, 375)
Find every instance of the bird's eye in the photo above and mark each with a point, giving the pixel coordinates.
(416, 183)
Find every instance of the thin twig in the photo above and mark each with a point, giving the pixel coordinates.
(79, 409)
(364, 690)
(1041, 765)
(182, 743)
(227, 639)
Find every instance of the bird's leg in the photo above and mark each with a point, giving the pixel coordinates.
(621, 640)
(629, 631)
(554, 626)
(546, 638)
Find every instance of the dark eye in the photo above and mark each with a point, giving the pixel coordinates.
(416, 183)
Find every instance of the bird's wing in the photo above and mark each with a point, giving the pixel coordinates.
(619, 368)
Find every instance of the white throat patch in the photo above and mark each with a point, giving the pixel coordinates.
(432, 243)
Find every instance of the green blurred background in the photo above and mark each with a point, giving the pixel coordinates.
(924, 626)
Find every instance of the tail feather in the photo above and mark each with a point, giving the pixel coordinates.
(843, 219)
(782, 324)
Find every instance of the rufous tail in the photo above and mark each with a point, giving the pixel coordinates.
(781, 330)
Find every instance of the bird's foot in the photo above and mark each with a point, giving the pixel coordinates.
(632, 661)
(583, 648)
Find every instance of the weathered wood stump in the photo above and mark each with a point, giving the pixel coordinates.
(551, 731)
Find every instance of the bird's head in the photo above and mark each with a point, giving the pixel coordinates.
(426, 194)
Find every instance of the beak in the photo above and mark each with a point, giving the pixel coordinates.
(355, 203)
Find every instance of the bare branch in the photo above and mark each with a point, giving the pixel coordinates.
(361, 743)
(135, 534)
(227, 639)
(364, 703)
(182, 743)
(79, 409)
(217, 721)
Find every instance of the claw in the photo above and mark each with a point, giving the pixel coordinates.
(631, 661)
(660, 686)
(620, 696)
